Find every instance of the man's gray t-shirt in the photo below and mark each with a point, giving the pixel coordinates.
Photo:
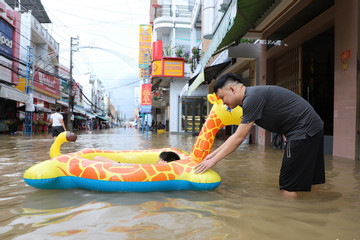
(280, 110)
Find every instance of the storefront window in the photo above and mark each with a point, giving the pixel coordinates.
(193, 114)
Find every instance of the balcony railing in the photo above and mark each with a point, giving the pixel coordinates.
(173, 10)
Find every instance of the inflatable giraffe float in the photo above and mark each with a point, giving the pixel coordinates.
(219, 117)
(136, 170)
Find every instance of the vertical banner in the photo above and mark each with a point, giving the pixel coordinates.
(6, 49)
(145, 100)
(145, 38)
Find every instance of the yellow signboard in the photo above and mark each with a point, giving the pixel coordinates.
(173, 68)
(157, 68)
(168, 67)
(145, 39)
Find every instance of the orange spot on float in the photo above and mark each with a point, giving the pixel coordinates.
(159, 177)
(151, 171)
(208, 135)
(74, 167)
(218, 122)
(88, 150)
(125, 170)
(63, 159)
(188, 169)
(205, 145)
(163, 167)
(86, 163)
(214, 131)
(138, 176)
(171, 177)
(89, 173)
(179, 169)
(198, 153)
(211, 124)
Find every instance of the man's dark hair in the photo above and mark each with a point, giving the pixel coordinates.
(57, 109)
(169, 156)
(224, 79)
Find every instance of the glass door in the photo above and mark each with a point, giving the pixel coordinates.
(193, 114)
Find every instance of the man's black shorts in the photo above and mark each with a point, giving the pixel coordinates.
(57, 130)
(303, 164)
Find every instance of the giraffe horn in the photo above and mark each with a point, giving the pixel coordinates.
(213, 98)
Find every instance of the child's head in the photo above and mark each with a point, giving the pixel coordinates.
(166, 157)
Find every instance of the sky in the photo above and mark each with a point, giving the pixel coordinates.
(108, 32)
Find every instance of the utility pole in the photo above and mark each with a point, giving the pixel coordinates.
(74, 42)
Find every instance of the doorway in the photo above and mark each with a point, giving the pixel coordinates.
(193, 114)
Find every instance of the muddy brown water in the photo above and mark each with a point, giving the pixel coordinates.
(247, 204)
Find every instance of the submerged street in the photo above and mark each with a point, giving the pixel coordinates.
(246, 205)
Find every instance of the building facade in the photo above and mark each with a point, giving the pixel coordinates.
(309, 47)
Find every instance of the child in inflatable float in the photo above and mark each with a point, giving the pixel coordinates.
(164, 157)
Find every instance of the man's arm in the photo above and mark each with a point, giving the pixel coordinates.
(230, 145)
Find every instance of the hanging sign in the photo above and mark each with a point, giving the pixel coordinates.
(145, 100)
(145, 40)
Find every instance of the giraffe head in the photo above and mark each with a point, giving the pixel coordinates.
(218, 117)
(221, 111)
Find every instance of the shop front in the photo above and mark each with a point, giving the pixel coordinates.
(45, 93)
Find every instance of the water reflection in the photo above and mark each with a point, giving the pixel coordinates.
(247, 204)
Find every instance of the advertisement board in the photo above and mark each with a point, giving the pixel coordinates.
(6, 49)
(168, 67)
(145, 100)
(46, 84)
(145, 40)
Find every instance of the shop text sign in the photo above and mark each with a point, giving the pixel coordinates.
(173, 68)
(145, 100)
(46, 84)
(145, 40)
(168, 67)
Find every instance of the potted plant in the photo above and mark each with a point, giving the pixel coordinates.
(196, 55)
(179, 51)
(167, 51)
(187, 56)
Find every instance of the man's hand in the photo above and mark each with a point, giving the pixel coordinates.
(204, 165)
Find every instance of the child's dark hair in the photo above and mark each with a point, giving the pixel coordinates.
(169, 156)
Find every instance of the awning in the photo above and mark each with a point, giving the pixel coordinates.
(241, 16)
(42, 109)
(210, 73)
(62, 103)
(103, 118)
(75, 110)
(90, 115)
(79, 117)
(13, 94)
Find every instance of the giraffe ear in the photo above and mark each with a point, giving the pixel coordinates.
(213, 98)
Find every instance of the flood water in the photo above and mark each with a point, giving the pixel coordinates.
(247, 204)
